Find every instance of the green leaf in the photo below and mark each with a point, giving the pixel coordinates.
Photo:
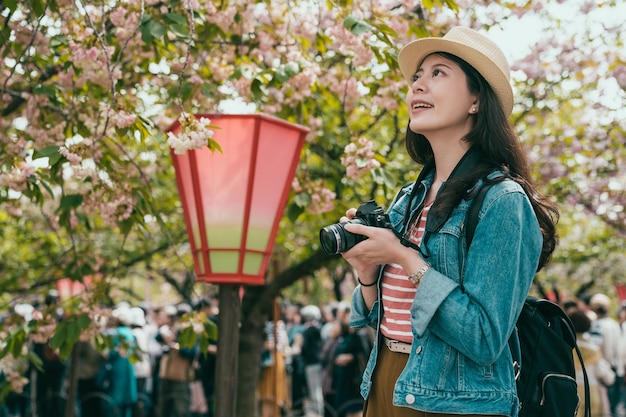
(214, 146)
(71, 201)
(50, 152)
(187, 337)
(182, 31)
(256, 88)
(83, 321)
(17, 342)
(47, 152)
(151, 30)
(39, 7)
(356, 26)
(293, 212)
(175, 18)
(178, 24)
(59, 335)
(10, 4)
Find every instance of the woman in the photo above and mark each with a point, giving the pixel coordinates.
(273, 390)
(442, 347)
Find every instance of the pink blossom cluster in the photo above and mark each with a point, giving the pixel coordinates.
(125, 21)
(46, 135)
(193, 134)
(113, 207)
(72, 157)
(94, 65)
(17, 178)
(351, 45)
(322, 200)
(120, 118)
(346, 89)
(387, 96)
(359, 158)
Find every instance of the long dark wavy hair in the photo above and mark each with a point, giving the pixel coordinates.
(493, 135)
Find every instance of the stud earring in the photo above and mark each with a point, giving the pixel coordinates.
(474, 110)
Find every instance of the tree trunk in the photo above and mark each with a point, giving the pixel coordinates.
(251, 339)
(257, 306)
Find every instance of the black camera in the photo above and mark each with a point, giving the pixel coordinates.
(335, 238)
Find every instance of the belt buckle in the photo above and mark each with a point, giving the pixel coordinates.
(396, 345)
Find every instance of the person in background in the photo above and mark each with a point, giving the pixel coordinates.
(49, 379)
(117, 375)
(163, 319)
(598, 369)
(444, 312)
(141, 361)
(295, 366)
(206, 360)
(606, 332)
(329, 353)
(350, 358)
(621, 318)
(90, 361)
(176, 368)
(308, 345)
(273, 391)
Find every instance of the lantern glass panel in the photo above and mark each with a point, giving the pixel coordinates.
(224, 262)
(252, 263)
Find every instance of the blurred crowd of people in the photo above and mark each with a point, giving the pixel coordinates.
(313, 362)
(143, 371)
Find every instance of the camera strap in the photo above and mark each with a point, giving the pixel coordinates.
(436, 218)
(410, 219)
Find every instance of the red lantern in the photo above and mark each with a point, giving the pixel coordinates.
(233, 201)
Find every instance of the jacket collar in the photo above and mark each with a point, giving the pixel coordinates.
(437, 218)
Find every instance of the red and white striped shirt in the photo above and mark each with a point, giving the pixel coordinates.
(398, 292)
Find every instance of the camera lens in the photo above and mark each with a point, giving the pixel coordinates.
(336, 238)
(330, 239)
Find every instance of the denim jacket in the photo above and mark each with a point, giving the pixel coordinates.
(460, 361)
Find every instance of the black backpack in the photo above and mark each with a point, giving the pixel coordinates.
(542, 351)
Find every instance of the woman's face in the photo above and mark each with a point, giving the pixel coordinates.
(439, 100)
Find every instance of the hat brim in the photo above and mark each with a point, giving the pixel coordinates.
(413, 53)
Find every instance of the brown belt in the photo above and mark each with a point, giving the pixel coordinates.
(397, 346)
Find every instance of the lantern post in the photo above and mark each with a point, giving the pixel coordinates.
(232, 204)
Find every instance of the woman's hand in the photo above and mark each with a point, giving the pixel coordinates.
(382, 246)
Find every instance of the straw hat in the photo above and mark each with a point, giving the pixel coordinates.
(472, 47)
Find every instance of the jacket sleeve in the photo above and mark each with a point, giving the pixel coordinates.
(360, 316)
